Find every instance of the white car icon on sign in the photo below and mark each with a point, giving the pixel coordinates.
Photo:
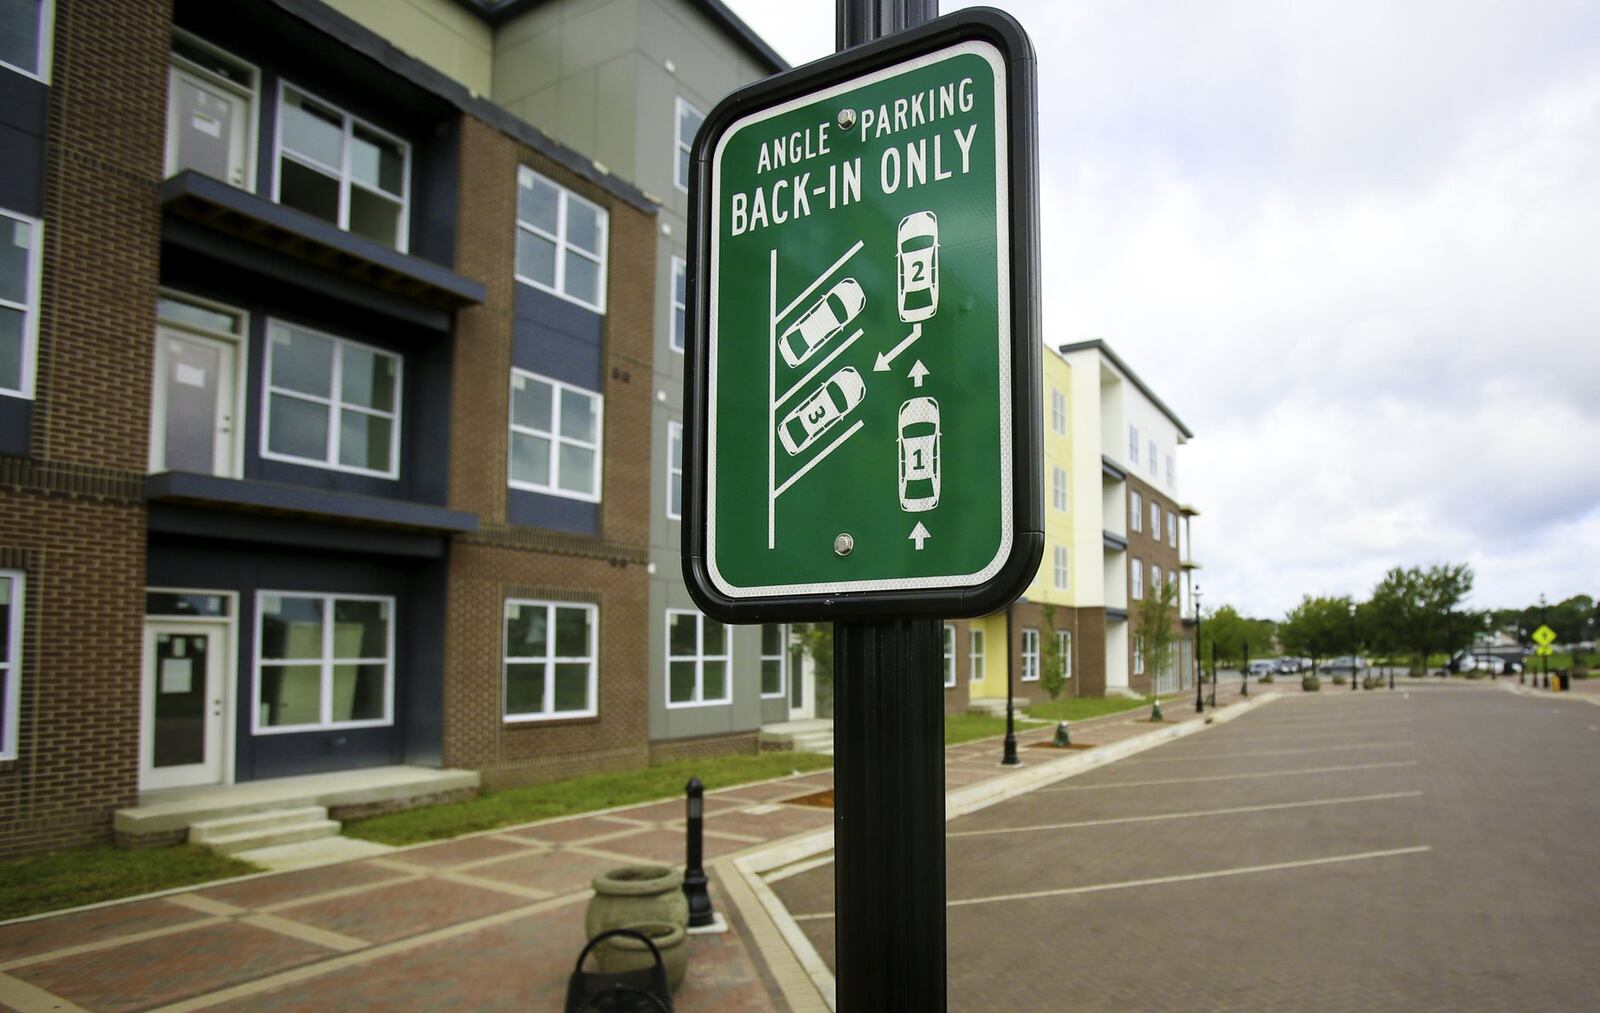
(819, 324)
(822, 410)
(919, 455)
(918, 246)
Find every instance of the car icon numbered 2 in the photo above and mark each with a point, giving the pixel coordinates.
(822, 410)
(822, 322)
(919, 454)
(918, 274)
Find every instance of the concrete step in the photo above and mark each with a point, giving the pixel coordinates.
(272, 837)
(995, 705)
(812, 736)
(309, 854)
(207, 831)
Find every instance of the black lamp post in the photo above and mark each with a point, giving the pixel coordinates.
(1199, 671)
(1009, 757)
(1244, 672)
(694, 873)
(1544, 658)
(1355, 667)
(1522, 638)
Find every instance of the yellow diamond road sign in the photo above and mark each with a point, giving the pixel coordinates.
(1544, 636)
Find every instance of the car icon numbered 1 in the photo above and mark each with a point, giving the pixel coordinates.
(918, 274)
(919, 454)
(822, 410)
(822, 322)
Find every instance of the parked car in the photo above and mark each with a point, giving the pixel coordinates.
(1260, 668)
(918, 274)
(819, 324)
(1494, 664)
(1293, 666)
(823, 410)
(919, 454)
(1345, 663)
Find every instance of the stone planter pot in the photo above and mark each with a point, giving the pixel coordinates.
(1310, 683)
(636, 895)
(620, 953)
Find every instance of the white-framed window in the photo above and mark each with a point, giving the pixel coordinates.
(341, 169)
(212, 98)
(1064, 648)
(680, 303)
(1136, 513)
(1155, 460)
(689, 120)
(1155, 577)
(975, 655)
(1062, 574)
(330, 402)
(1058, 489)
(323, 661)
(697, 660)
(1138, 578)
(1133, 444)
(555, 437)
(1030, 655)
(1155, 520)
(1172, 529)
(774, 659)
(561, 241)
(551, 660)
(26, 27)
(1058, 411)
(949, 655)
(675, 471)
(10, 660)
(21, 246)
(1138, 654)
(1172, 474)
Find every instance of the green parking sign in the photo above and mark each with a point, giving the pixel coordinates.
(864, 362)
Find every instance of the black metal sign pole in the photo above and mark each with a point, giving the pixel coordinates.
(888, 734)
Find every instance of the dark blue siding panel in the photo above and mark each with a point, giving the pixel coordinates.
(557, 338)
(538, 510)
(16, 425)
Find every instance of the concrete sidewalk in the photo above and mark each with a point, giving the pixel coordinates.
(491, 920)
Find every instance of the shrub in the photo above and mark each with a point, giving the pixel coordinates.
(1339, 680)
(1310, 683)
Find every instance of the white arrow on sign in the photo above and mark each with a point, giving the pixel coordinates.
(919, 534)
(884, 358)
(918, 371)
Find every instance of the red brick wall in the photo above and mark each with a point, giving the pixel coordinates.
(1152, 549)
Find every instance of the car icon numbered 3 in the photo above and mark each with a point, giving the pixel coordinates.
(822, 410)
(822, 322)
(918, 246)
(919, 454)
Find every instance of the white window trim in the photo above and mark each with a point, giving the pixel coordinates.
(1155, 460)
(1155, 520)
(1064, 644)
(682, 144)
(1136, 515)
(325, 662)
(550, 660)
(47, 27)
(334, 403)
(1062, 568)
(252, 126)
(30, 311)
(342, 172)
(1058, 411)
(975, 648)
(10, 706)
(674, 432)
(1058, 489)
(1172, 474)
(1138, 654)
(1137, 584)
(1172, 529)
(1030, 655)
(560, 389)
(240, 342)
(678, 339)
(700, 657)
(1133, 444)
(949, 656)
(1155, 577)
(782, 658)
(602, 240)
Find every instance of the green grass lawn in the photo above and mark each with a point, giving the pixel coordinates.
(969, 727)
(577, 795)
(1083, 708)
(88, 876)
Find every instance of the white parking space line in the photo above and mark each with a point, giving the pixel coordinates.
(1265, 752)
(797, 476)
(1362, 856)
(824, 276)
(1231, 811)
(1229, 777)
(819, 367)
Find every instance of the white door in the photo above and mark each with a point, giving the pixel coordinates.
(184, 669)
(802, 683)
(207, 128)
(194, 404)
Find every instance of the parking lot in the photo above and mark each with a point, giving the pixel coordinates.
(1425, 848)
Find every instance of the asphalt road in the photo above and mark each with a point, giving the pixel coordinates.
(1423, 849)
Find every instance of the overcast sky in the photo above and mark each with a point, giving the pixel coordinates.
(1355, 246)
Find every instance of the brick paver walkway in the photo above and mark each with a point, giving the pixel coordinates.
(482, 922)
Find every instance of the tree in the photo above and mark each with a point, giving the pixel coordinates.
(1054, 676)
(1154, 628)
(1417, 609)
(1316, 628)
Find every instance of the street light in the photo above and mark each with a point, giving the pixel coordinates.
(694, 873)
(1544, 657)
(1244, 672)
(1008, 757)
(1199, 672)
(1354, 668)
(1522, 638)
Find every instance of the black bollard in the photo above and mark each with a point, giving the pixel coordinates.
(694, 873)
